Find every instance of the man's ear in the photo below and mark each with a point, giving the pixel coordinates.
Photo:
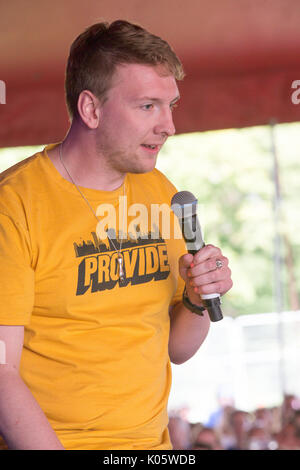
(88, 106)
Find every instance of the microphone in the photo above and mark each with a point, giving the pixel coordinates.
(184, 206)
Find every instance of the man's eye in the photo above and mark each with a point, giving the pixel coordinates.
(173, 106)
(148, 107)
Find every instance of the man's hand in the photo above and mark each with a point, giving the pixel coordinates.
(201, 274)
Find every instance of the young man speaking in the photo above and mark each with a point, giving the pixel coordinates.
(91, 323)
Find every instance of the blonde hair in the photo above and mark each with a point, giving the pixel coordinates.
(95, 54)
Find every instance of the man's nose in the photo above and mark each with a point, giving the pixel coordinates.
(166, 124)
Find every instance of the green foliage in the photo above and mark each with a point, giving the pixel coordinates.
(230, 172)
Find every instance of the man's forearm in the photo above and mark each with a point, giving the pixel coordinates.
(205, 272)
(187, 332)
(23, 424)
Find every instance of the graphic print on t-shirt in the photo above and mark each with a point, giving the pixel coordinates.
(145, 258)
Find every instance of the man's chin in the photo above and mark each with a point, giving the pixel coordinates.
(141, 171)
(144, 166)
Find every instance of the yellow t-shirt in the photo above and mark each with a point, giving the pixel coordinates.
(96, 350)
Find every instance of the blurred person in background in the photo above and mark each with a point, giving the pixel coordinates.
(259, 438)
(289, 437)
(289, 405)
(264, 419)
(195, 429)
(224, 429)
(225, 401)
(207, 439)
(240, 423)
(276, 421)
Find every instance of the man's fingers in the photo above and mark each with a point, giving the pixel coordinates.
(208, 251)
(186, 260)
(220, 287)
(210, 277)
(184, 265)
(209, 265)
(207, 271)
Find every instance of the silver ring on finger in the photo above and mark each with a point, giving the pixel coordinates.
(219, 264)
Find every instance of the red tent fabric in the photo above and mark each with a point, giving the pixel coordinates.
(241, 58)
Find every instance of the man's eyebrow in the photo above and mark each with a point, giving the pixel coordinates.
(158, 100)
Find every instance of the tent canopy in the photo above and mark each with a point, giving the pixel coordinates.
(240, 58)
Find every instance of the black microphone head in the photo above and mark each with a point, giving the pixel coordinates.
(183, 197)
(184, 204)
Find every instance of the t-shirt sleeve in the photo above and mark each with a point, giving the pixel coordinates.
(16, 273)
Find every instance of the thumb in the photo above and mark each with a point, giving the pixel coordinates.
(184, 264)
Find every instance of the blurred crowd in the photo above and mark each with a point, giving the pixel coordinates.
(276, 428)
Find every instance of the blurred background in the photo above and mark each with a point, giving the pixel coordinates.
(237, 149)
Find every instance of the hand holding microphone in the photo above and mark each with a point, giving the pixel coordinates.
(209, 267)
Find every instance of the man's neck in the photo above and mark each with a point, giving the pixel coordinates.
(83, 164)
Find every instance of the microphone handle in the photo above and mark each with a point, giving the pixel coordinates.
(212, 302)
(213, 306)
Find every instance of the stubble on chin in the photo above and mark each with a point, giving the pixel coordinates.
(124, 162)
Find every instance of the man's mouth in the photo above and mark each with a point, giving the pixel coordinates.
(153, 148)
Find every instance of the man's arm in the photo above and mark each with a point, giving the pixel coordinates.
(187, 329)
(23, 424)
(187, 332)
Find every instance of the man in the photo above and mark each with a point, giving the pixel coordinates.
(86, 321)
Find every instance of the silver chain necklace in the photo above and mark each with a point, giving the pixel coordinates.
(120, 258)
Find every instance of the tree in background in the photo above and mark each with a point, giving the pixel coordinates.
(230, 172)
